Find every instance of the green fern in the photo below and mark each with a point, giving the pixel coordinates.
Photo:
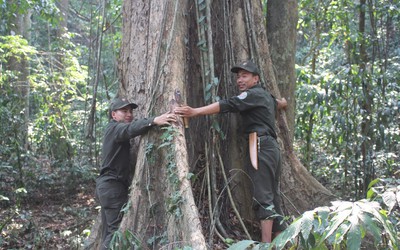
(345, 226)
(246, 244)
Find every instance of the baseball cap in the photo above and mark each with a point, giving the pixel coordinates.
(248, 66)
(119, 103)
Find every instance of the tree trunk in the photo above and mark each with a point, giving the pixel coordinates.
(62, 29)
(281, 32)
(367, 165)
(21, 25)
(161, 53)
(63, 6)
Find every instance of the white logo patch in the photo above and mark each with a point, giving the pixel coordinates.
(242, 96)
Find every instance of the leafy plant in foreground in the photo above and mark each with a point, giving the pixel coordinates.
(343, 225)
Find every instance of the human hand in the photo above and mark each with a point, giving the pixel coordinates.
(165, 119)
(185, 111)
(282, 103)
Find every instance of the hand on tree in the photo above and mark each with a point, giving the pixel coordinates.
(185, 111)
(165, 119)
(282, 103)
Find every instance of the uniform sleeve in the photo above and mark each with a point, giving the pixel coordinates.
(275, 103)
(126, 131)
(246, 100)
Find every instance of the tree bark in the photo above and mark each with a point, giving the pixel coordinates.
(367, 165)
(21, 26)
(62, 29)
(281, 32)
(63, 6)
(153, 68)
(160, 54)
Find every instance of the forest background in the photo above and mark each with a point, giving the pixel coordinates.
(58, 70)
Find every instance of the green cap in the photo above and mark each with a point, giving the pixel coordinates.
(248, 66)
(119, 103)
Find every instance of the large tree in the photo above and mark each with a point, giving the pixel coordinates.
(190, 46)
(281, 33)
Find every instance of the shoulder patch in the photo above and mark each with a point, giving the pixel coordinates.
(242, 96)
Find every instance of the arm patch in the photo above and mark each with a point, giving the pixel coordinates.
(242, 96)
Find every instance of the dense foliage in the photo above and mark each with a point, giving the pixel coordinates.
(48, 144)
(55, 83)
(347, 124)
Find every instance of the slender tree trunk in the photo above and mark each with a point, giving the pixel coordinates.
(21, 25)
(63, 6)
(62, 29)
(366, 105)
(99, 46)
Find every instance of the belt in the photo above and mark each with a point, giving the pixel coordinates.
(261, 136)
(267, 133)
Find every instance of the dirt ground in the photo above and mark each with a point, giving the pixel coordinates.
(49, 219)
(58, 218)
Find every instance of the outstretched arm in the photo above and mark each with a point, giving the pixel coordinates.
(187, 111)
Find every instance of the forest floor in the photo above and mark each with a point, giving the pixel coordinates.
(51, 218)
(55, 217)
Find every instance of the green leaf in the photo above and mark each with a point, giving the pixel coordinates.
(387, 225)
(398, 194)
(201, 43)
(380, 216)
(307, 224)
(341, 233)
(317, 238)
(216, 126)
(208, 97)
(229, 241)
(244, 244)
(216, 81)
(208, 87)
(4, 198)
(371, 192)
(373, 182)
(21, 190)
(354, 237)
(353, 225)
(369, 223)
(288, 234)
(201, 19)
(343, 211)
(190, 176)
(389, 198)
